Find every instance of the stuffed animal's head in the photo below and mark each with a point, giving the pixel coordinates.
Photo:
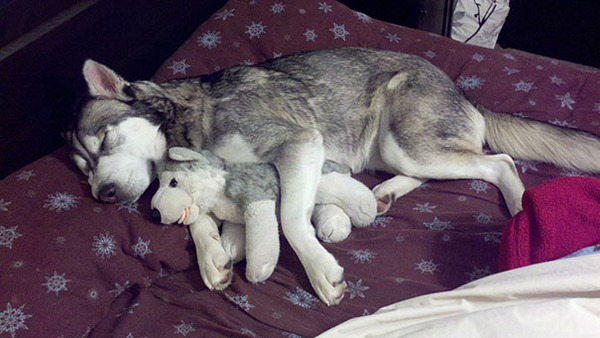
(190, 185)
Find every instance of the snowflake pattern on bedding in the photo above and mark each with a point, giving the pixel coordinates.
(101, 256)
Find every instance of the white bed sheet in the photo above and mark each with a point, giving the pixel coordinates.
(553, 299)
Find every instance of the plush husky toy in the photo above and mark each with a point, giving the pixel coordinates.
(194, 184)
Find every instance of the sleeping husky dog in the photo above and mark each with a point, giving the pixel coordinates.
(365, 108)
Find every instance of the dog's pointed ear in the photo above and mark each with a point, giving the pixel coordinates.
(104, 82)
(181, 154)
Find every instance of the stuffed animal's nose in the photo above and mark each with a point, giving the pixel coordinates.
(155, 215)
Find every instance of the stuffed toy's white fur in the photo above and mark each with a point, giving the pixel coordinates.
(198, 190)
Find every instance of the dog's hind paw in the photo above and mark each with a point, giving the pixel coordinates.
(384, 203)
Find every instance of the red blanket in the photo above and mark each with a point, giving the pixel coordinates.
(558, 218)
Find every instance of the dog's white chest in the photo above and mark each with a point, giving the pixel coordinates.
(235, 149)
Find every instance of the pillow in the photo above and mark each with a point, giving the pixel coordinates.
(479, 22)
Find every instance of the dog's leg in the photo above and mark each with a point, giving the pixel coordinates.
(499, 169)
(331, 222)
(214, 263)
(387, 192)
(355, 198)
(233, 237)
(299, 165)
(262, 240)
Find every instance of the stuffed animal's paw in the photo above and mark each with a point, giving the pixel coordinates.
(257, 272)
(331, 223)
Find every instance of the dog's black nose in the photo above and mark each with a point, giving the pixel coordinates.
(108, 193)
(155, 215)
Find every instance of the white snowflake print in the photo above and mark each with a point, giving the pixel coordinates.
(426, 266)
(462, 198)
(129, 206)
(278, 8)
(56, 283)
(302, 11)
(479, 186)
(129, 310)
(363, 17)
(493, 237)
(93, 294)
(511, 71)
(255, 30)
(60, 240)
(356, 289)
(179, 67)
(361, 256)
(8, 235)
(339, 31)
(565, 100)
(141, 248)
(310, 35)
(557, 80)
(241, 302)
(563, 123)
(477, 57)
(597, 107)
(479, 273)
(184, 328)
(392, 37)
(224, 14)
(509, 56)
(400, 238)
(381, 221)
(325, 7)
(61, 201)
(12, 320)
(523, 86)
(482, 218)
(246, 62)
(119, 289)
(437, 225)
(18, 264)
(398, 280)
(247, 332)
(446, 237)
(526, 165)
(3, 205)
(210, 39)
(573, 173)
(290, 335)
(430, 54)
(301, 298)
(277, 55)
(25, 175)
(104, 245)
(425, 207)
(469, 82)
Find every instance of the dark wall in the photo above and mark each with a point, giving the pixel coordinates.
(41, 83)
(568, 30)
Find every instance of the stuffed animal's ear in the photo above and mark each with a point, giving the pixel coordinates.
(214, 160)
(182, 154)
(103, 81)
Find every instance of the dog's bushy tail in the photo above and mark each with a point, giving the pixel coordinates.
(538, 141)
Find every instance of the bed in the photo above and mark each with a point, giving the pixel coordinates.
(71, 266)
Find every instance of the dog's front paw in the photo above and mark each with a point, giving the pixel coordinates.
(327, 279)
(331, 223)
(216, 267)
(364, 210)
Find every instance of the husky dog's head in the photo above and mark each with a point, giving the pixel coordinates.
(190, 186)
(116, 140)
